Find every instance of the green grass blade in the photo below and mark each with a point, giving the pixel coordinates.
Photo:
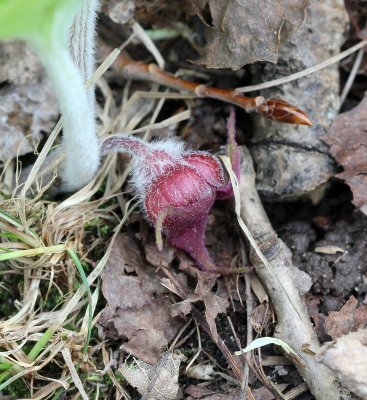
(13, 221)
(38, 347)
(80, 269)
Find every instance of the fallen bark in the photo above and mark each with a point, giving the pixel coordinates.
(285, 285)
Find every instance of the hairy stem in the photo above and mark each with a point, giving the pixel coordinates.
(79, 136)
(81, 42)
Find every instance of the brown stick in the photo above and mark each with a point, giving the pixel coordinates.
(294, 325)
(275, 109)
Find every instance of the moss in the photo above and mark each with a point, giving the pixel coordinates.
(9, 292)
(17, 390)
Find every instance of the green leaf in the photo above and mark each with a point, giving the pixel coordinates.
(37, 21)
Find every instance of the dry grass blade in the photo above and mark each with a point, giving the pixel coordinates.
(305, 72)
(182, 116)
(149, 44)
(73, 302)
(74, 374)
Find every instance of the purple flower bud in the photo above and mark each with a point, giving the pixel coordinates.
(178, 188)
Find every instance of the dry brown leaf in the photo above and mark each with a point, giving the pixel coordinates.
(347, 138)
(260, 317)
(347, 358)
(198, 392)
(263, 393)
(312, 304)
(215, 303)
(159, 258)
(349, 318)
(202, 393)
(139, 308)
(247, 31)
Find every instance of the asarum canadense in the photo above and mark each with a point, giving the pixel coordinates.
(178, 188)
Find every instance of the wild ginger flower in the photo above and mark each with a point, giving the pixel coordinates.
(178, 188)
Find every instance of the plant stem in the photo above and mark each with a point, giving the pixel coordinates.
(81, 41)
(79, 136)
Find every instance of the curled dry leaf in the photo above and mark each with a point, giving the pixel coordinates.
(347, 358)
(246, 31)
(138, 307)
(347, 138)
(349, 318)
(215, 302)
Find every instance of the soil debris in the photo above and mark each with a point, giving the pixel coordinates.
(336, 274)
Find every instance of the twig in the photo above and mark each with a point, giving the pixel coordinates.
(275, 109)
(290, 328)
(249, 337)
(244, 382)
